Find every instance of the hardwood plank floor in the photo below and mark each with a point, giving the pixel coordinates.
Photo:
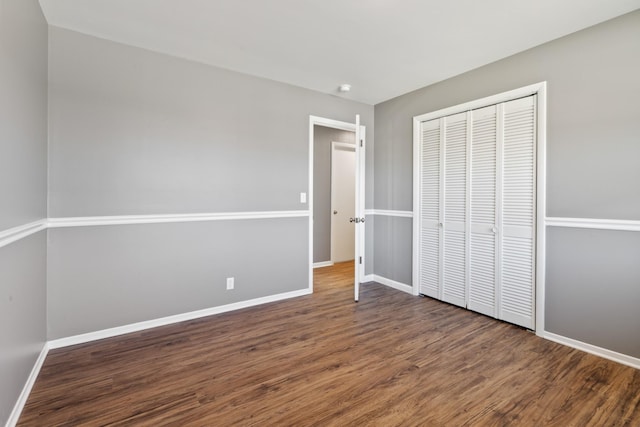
(391, 359)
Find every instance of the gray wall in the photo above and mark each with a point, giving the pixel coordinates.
(137, 132)
(23, 192)
(593, 148)
(22, 315)
(593, 287)
(322, 138)
(393, 260)
(102, 277)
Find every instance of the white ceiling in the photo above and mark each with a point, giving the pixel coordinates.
(383, 48)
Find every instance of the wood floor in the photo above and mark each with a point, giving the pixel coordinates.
(389, 360)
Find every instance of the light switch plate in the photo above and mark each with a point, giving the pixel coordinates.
(303, 197)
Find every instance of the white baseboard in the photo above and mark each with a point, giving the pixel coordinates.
(634, 362)
(322, 264)
(163, 321)
(26, 390)
(391, 283)
(367, 278)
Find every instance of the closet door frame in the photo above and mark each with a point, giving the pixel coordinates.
(539, 89)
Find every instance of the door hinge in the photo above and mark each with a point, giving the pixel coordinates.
(361, 143)
(360, 260)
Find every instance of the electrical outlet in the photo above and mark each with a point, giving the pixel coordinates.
(230, 283)
(303, 197)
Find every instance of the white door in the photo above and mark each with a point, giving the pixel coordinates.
(454, 214)
(484, 207)
(343, 193)
(430, 201)
(358, 220)
(517, 277)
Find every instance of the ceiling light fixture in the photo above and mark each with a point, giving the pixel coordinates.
(345, 87)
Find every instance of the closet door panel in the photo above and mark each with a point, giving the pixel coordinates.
(455, 177)
(430, 209)
(518, 213)
(482, 235)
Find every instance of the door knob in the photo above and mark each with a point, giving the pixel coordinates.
(494, 230)
(352, 220)
(335, 212)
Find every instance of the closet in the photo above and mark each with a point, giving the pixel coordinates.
(476, 209)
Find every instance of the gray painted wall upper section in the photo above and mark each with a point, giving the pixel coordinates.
(103, 277)
(137, 132)
(23, 113)
(322, 138)
(593, 287)
(592, 128)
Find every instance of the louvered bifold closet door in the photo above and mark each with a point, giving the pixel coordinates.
(483, 222)
(518, 212)
(430, 208)
(454, 218)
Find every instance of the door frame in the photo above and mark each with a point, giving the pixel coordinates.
(539, 89)
(334, 146)
(360, 184)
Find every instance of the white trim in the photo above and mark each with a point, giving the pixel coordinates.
(322, 264)
(154, 219)
(390, 283)
(26, 390)
(20, 232)
(595, 350)
(389, 212)
(330, 123)
(416, 222)
(483, 102)
(163, 321)
(541, 205)
(367, 278)
(600, 224)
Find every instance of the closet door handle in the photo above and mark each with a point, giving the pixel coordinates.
(494, 230)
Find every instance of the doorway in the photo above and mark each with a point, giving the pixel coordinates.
(335, 139)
